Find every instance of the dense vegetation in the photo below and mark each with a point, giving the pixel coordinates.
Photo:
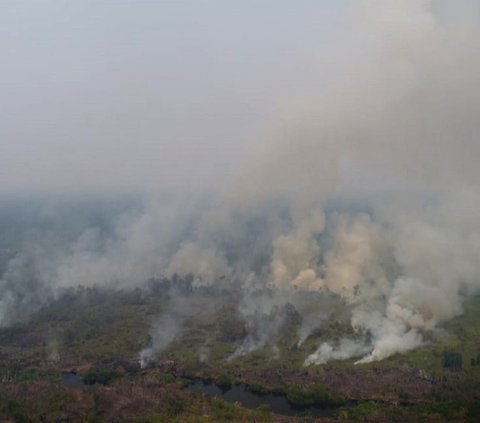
(313, 395)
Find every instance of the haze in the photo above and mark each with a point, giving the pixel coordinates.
(142, 95)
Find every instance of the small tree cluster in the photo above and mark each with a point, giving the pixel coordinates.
(452, 360)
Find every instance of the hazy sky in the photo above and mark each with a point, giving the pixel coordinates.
(147, 94)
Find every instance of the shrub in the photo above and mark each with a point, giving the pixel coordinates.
(257, 388)
(265, 408)
(15, 410)
(224, 411)
(475, 361)
(452, 360)
(313, 395)
(166, 378)
(223, 382)
(174, 406)
(473, 412)
(433, 411)
(404, 395)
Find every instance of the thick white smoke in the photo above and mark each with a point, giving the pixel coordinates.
(399, 120)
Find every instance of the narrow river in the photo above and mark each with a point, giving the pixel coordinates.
(278, 402)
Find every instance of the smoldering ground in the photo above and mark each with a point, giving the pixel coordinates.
(364, 192)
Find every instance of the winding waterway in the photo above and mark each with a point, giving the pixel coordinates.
(277, 402)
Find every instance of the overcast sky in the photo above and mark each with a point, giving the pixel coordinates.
(112, 95)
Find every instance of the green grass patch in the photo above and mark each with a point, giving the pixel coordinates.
(314, 395)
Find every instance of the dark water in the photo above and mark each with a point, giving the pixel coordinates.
(71, 379)
(237, 393)
(278, 402)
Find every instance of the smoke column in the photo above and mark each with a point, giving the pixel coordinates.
(395, 129)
